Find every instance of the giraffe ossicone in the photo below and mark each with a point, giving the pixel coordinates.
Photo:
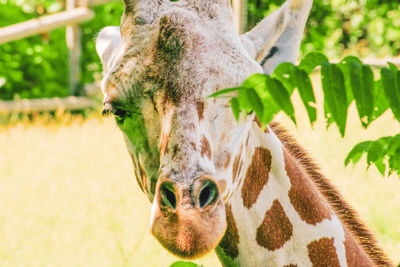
(216, 183)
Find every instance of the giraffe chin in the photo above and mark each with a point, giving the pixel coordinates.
(189, 233)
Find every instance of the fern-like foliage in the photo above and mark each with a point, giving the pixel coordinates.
(342, 83)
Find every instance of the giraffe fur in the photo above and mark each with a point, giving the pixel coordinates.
(276, 191)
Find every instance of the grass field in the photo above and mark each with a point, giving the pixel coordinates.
(68, 197)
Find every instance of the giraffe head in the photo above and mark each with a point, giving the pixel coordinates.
(159, 67)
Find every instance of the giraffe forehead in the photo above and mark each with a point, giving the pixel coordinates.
(181, 53)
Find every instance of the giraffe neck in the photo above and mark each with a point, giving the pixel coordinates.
(278, 217)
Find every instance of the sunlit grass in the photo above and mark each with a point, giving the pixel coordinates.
(68, 198)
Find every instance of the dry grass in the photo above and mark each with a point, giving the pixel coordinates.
(67, 196)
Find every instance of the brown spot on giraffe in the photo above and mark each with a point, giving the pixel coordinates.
(223, 136)
(260, 125)
(235, 168)
(354, 255)
(275, 229)
(241, 165)
(257, 121)
(303, 195)
(248, 139)
(290, 265)
(222, 185)
(222, 159)
(230, 241)
(200, 109)
(175, 150)
(205, 147)
(227, 160)
(256, 176)
(194, 146)
(322, 252)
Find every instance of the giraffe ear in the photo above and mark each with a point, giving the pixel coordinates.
(107, 44)
(276, 38)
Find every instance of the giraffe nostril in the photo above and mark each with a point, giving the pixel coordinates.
(208, 194)
(168, 197)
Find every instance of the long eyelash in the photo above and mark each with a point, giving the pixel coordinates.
(106, 113)
(107, 110)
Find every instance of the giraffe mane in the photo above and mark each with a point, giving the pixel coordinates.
(343, 210)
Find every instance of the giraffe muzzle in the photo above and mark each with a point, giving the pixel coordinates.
(188, 220)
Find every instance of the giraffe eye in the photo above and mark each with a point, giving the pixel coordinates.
(119, 112)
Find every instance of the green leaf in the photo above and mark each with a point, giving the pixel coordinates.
(271, 109)
(328, 115)
(244, 101)
(303, 84)
(280, 96)
(367, 92)
(235, 107)
(376, 155)
(284, 72)
(226, 91)
(393, 145)
(381, 166)
(351, 59)
(384, 153)
(362, 86)
(311, 61)
(254, 81)
(392, 89)
(225, 258)
(335, 94)
(255, 102)
(394, 162)
(269, 106)
(380, 102)
(345, 67)
(185, 264)
(357, 151)
(375, 151)
(393, 67)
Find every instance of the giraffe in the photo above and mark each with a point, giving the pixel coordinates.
(253, 195)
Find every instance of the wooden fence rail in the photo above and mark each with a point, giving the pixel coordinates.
(75, 15)
(378, 62)
(44, 24)
(46, 104)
